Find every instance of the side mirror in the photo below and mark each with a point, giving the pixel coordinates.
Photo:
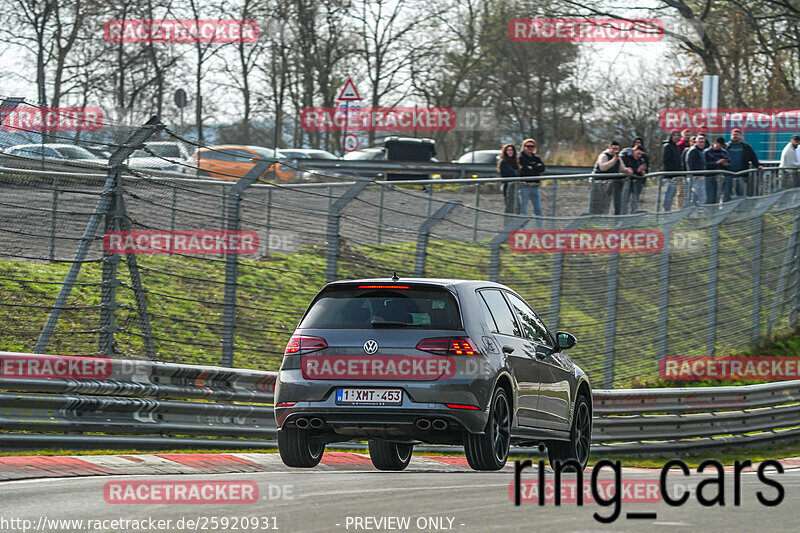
(565, 340)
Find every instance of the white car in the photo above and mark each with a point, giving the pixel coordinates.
(50, 151)
(162, 155)
(303, 153)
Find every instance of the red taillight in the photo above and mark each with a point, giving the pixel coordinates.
(286, 404)
(300, 344)
(448, 345)
(462, 406)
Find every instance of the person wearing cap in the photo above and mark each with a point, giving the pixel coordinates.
(742, 157)
(695, 161)
(671, 161)
(790, 161)
(716, 157)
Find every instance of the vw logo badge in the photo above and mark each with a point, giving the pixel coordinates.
(371, 346)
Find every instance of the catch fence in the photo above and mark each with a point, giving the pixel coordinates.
(725, 278)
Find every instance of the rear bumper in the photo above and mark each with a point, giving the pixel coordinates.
(422, 400)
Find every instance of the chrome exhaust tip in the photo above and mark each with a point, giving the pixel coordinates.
(302, 423)
(423, 423)
(316, 423)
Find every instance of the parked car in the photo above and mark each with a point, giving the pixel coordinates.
(56, 151)
(231, 162)
(480, 157)
(162, 155)
(408, 149)
(472, 363)
(303, 153)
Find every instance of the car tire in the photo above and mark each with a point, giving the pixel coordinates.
(298, 448)
(489, 451)
(580, 438)
(387, 455)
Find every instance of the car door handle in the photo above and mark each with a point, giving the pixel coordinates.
(508, 349)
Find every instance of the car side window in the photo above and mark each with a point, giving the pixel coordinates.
(502, 314)
(534, 329)
(487, 315)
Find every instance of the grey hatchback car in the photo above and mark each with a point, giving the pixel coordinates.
(439, 361)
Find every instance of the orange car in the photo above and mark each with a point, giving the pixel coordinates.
(231, 162)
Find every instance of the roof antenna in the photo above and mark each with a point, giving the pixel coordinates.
(394, 276)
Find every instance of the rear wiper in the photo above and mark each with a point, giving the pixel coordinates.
(392, 324)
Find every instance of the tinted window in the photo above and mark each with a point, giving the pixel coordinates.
(503, 317)
(354, 308)
(533, 328)
(487, 315)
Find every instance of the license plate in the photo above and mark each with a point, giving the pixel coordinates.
(369, 396)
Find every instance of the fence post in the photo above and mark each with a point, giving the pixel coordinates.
(332, 230)
(231, 221)
(713, 263)
(756, 266)
(556, 275)
(796, 265)
(555, 196)
(268, 221)
(663, 281)
(787, 259)
(612, 287)
(173, 206)
(380, 214)
(53, 219)
(115, 161)
(494, 245)
(477, 209)
(423, 234)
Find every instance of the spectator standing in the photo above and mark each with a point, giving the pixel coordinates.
(790, 159)
(604, 187)
(671, 158)
(742, 156)
(508, 167)
(683, 183)
(636, 160)
(530, 165)
(695, 160)
(716, 157)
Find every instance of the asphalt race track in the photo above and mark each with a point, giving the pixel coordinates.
(347, 494)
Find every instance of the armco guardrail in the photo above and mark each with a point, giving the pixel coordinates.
(147, 398)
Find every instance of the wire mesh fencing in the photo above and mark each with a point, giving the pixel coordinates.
(724, 276)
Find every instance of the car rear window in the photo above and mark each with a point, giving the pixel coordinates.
(351, 307)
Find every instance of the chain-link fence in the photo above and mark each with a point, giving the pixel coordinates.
(724, 278)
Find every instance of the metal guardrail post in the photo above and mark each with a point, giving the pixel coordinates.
(663, 281)
(557, 274)
(713, 262)
(477, 210)
(231, 219)
(758, 239)
(785, 266)
(494, 245)
(380, 213)
(423, 234)
(172, 206)
(53, 219)
(134, 141)
(268, 220)
(332, 230)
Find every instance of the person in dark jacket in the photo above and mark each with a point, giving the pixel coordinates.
(671, 158)
(604, 187)
(508, 167)
(636, 160)
(694, 160)
(716, 157)
(530, 164)
(742, 157)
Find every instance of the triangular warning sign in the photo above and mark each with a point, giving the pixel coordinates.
(349, 92)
